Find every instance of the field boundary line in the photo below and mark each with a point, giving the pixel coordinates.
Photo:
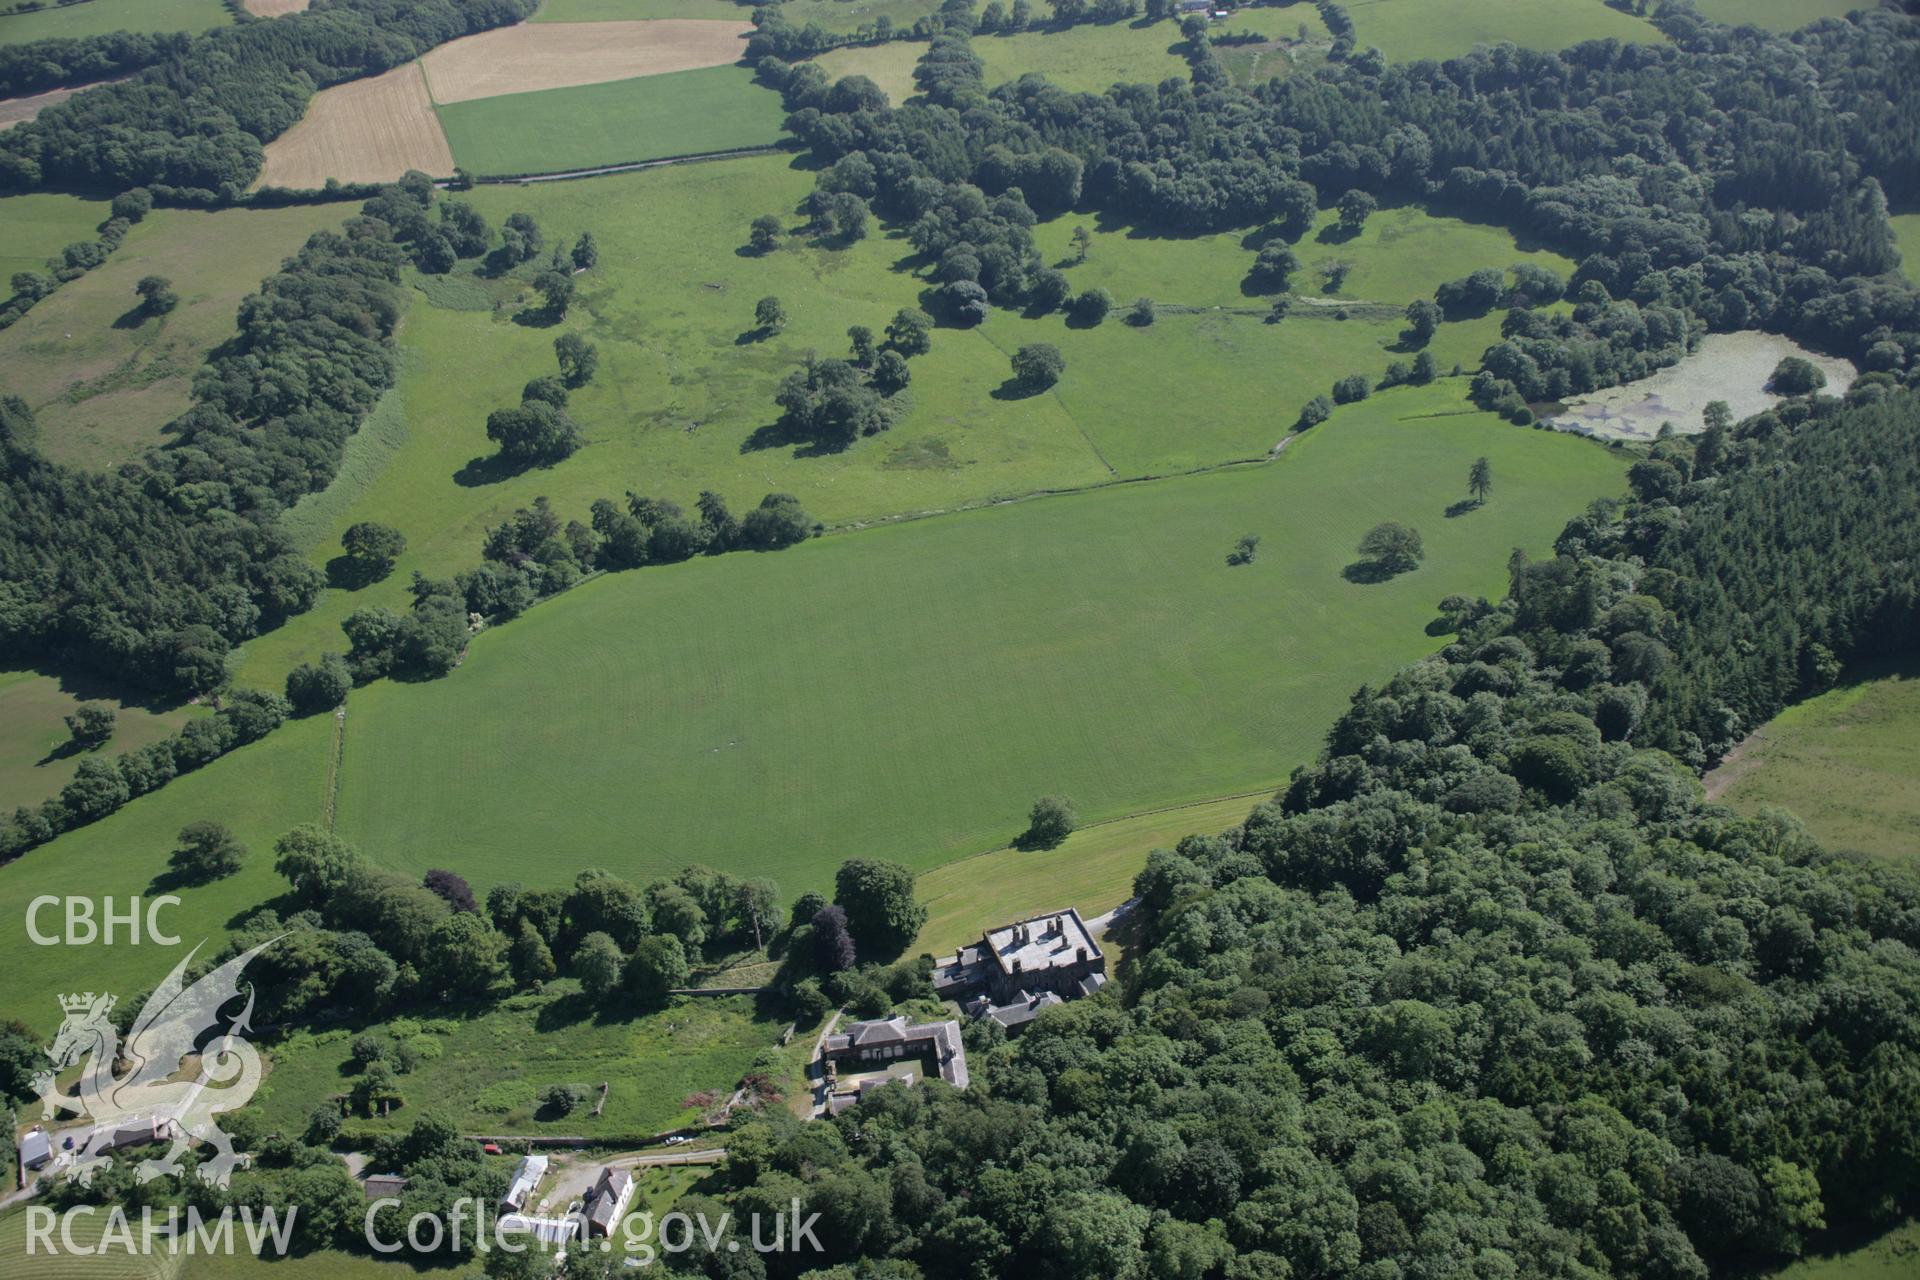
(1108, 822)
(336, 752)
(1032, 495)
(1054, 392)
(625, 166)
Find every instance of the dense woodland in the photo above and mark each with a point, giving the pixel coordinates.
(1489, 990)
(38, 65)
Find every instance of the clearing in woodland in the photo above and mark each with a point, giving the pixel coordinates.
(1775, 15)
(103, 377)
(37, 754)
(370, 130)
(1846, 762)
(1407, 30)
(36, 227)
(529, 57)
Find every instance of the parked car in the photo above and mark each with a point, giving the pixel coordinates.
(491, 1148)
(677, 1139)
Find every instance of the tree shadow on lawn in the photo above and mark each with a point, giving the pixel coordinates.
(283, 905)
(66, 751)
(777, 435)
(82, 687)
(1368, 572)
(488, 469)
(1013, 389)
(1463, 507)
(348, 574)
(133, 317)
(536, 318)
(173, 879)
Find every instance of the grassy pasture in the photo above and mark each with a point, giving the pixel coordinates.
(35, 227)
(1092, 869)
(1847, 762)
(1407, 30)
(888, 65)
(116, 1264)
(34, 735)
(1284, 49)
(834, 15)
(490, 1069)
(908, 691)
(1776, 15)
(103, 378)
(326, 1264)
(1404, 252)
(1892, 1256)
(1086, 58)
(680, 396)
(681, 113)
(99, 17)
(628, 10)
(259, 792)
(1906, 234)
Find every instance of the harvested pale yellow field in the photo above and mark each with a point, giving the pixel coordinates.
(559, 55)
(274, 8)
(370, 130)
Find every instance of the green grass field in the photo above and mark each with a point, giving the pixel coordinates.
(908, 691)
(490, 1069)
(1847, 762)
(259, 793)
(888, 65)
(1906, 234)
(1776, 15)
(33, 733)
(1893, 1256)
(676, 408)
(97, 17)
(834, 15)
(631, 10)
(103, 378)
(35, 227)
(1407, 30)
(1092, 870)
(327, 1264)
(679, 397)
(1090, 57)
(678, 114)
(1402, 253)
(1296, 40)
(1123, 665)
(87, 1230)
(1086, 58)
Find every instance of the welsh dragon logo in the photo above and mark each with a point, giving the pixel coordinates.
(176, 1072)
